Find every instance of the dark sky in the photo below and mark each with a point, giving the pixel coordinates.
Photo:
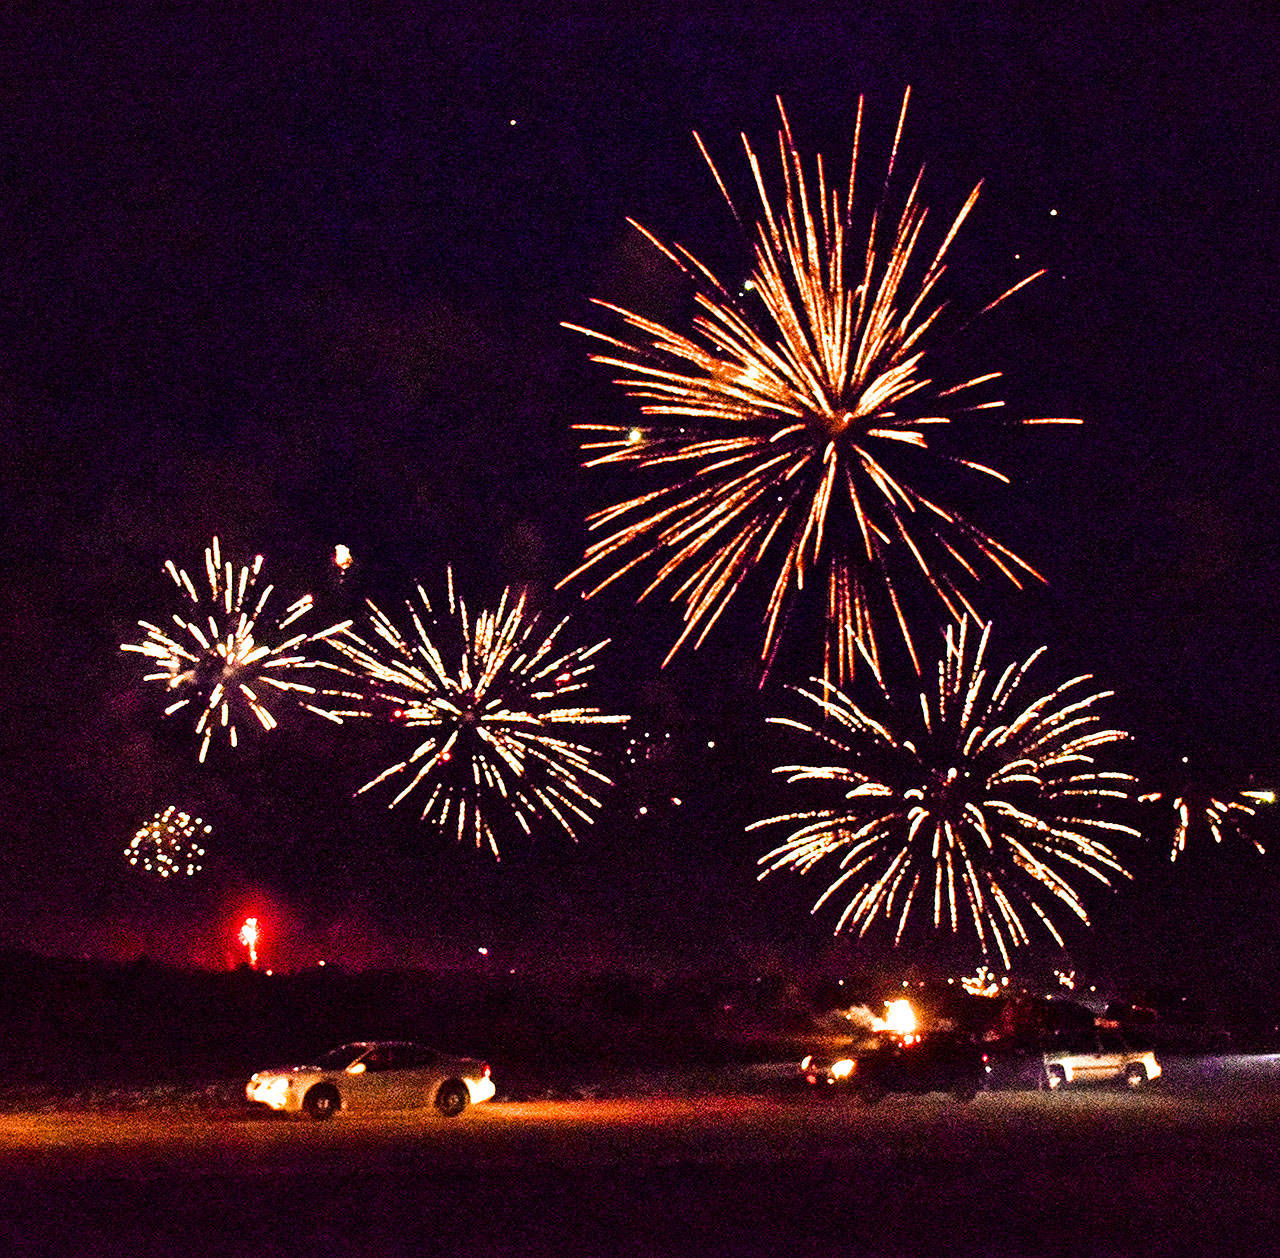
(296, 278)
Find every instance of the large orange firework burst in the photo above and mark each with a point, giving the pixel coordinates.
(494, 707)
(223, 658)
(974, 804)
(784, 424)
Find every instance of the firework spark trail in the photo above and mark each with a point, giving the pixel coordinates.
(498, 705)
(1219, 815)
(218, 659)
(975, 799)
(779, 421)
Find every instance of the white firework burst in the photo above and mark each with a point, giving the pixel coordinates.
(977, 799)
(495, 709)
(222, 658)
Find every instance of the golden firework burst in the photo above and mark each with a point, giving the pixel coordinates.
(223, 658)
(786, 429)
(494, 706)
(974, 798)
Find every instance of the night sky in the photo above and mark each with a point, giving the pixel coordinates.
(294, 278)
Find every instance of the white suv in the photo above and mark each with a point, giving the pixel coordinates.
(1098, 1056)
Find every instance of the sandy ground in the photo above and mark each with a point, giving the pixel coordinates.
(1189, 1167)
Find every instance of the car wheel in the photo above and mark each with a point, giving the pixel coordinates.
(452, 1098)
(322, 1101)
(1135, 1076)
(1056, 1078)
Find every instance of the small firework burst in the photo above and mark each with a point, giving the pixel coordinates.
(221, 659)
(975, 800)
(169, 844)
(495, 705)
(1220, 813)
(787, 430)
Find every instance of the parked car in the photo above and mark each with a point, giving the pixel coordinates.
(374, 1074)
(936, 1061)
(1098, 1056)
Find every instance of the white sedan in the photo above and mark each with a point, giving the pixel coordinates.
(374, 1074)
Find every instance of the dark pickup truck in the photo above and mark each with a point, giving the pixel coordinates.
(936, 1061)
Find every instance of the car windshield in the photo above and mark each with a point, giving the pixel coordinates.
(341, 1058)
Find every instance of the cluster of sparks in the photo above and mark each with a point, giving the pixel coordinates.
(166, 846)
(784, 423)
(1219, 815)
(496, 706)
(976, 800)
(219, 658)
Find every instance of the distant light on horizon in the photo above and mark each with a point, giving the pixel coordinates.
(249, 938)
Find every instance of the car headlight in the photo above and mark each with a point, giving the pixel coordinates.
(272, 1090)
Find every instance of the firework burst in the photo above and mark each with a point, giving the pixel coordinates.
(787, 426)
(975, 801)
(222, 659)
(167, 845)
(497, 706)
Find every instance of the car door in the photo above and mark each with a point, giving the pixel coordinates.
(1079, 1052)
(374, 1087)
(1112, 1055)
(421, 1074)
(397, 1077)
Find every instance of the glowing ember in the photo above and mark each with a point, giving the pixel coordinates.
(166, 846)
(899, 1017)
(983, 983)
